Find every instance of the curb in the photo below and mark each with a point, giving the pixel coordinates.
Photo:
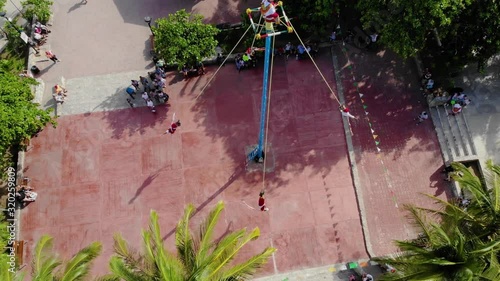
(352, 161)
(318, 273)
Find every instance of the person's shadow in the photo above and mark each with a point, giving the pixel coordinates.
(76, 6)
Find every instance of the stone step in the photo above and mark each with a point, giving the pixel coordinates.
(453, 134)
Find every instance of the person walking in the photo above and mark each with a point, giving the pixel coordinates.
(262, 202)
(51, 56)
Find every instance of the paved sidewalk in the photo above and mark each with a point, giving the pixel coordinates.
(396, 160)
(483, 114)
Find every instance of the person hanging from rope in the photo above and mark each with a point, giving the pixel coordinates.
(173, 127)
(262, 202)
(345, 112)
(268, 11)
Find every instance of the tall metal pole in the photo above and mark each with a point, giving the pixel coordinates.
(263, 108)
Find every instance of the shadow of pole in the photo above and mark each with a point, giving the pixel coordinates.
(239, 170)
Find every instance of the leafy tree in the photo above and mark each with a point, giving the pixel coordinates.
(442, 253)
(473, 36)
(19, 117)
(46, 266)
(183, 38)
(405, 25)
(198, 258)
(2, 4)
(14, 41)
(38, 8)
(311, 17)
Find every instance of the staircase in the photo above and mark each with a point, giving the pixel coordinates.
(453, 134)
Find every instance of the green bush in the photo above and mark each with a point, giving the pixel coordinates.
(14, 43)
(38, 8)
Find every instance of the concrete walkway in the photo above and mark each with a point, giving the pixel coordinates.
(483, 114)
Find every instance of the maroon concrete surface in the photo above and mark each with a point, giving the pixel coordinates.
(410, 154)
(101, 173)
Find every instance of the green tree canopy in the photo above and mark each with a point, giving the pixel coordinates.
(19, 117)
(39, 8)
(183, 38)
(198, 258)
(311, 17)
(405, 25)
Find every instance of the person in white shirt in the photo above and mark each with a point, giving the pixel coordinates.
(367, 277)
(151, 105)
(422, 117)
(345, 112)
(145, 96)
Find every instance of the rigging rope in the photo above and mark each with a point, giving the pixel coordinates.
(222, 64)
(317, 68)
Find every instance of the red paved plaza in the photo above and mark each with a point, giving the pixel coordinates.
(101, 173)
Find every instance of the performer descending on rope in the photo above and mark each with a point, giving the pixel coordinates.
(173, 127)
(262, 202)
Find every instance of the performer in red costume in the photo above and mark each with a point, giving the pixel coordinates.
(173, 127)
(262, 202)
(268, 11)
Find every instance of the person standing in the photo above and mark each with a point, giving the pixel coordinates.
(422, 117)
(262, 202)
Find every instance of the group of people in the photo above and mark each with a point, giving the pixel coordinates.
(299, 51)
(247, 59)
(153, 88)
(40, 33)
(59, 94)
(194, 70)
(25, 194)
(458, 101)
(455, 96)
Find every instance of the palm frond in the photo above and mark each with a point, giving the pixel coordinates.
(245, 270)
(122, 271)
(207, 229)
(169, 267)
(487, 248)
(243, 241)
(493, 178)
(44, 263)
(492, 272)
(130, 257)
(420, 221)
(184, 239)
(79, 266)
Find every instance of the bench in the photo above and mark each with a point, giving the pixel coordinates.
(152, 42)
(19, 251)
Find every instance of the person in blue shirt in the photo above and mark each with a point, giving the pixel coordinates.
(300, 51)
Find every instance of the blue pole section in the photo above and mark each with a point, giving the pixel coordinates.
(267, 55)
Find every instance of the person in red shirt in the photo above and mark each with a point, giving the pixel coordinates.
(173, 127)
(262, 202)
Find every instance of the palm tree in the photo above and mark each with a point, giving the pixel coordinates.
(483, 212)
(198, 257)
(47, 267)
(443, 253)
